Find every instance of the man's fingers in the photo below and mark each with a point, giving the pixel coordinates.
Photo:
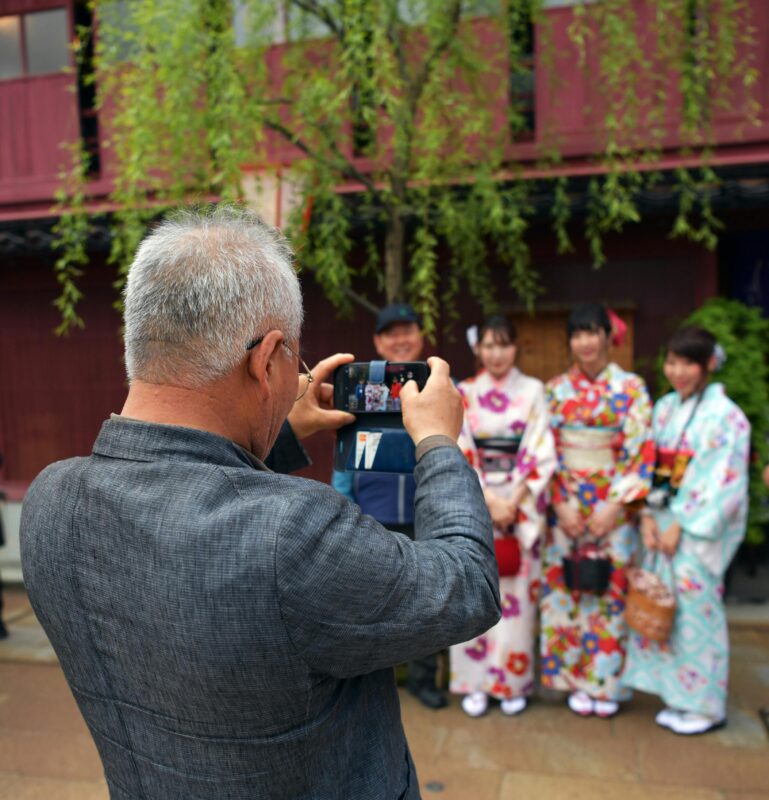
(332, 420)
(325, 369)
(438, 367)
(409, 389)
(325, 395)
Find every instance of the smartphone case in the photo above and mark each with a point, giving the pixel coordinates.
(375, 442)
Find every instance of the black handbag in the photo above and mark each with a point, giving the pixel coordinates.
(587, 569)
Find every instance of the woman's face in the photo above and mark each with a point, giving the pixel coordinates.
(590, 349)
(685, 376)
(497, 356)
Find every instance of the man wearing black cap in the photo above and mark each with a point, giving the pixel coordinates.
(390, 498)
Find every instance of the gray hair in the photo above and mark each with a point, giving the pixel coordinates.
(203, 285)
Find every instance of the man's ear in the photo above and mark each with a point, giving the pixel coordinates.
(260, 364)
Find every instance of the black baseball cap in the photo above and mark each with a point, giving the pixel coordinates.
(396, 312)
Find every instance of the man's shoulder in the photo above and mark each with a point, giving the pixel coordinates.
(59, 473)
(255, 484)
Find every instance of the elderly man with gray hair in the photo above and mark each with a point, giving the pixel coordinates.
(227, 631)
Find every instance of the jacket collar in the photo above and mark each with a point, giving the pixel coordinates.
(137, 440)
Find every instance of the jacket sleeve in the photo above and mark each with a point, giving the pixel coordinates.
(287, 454)
(356, 597)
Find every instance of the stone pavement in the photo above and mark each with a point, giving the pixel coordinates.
(548, 753)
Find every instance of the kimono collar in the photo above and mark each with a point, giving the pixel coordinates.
(710, 392)
(579, 379)
(507, 378)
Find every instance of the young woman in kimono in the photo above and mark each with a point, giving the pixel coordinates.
(506, 437)
(695, 516)
(601, 417)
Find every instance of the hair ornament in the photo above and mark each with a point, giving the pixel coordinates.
(471, 334)
(720, 355)
(618, 328)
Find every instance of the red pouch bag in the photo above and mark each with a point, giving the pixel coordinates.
(508, 556)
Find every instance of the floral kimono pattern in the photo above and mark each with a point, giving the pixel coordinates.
(602, 429)
(690, 672)
(501, 661)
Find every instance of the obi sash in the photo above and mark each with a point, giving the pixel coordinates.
(497, 453)
(588, 449)
(668, 474)
(671, 466)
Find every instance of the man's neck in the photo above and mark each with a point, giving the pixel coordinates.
(202, 409)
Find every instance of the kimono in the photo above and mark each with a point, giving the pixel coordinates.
(602, 430)
(690, 672)
(500, 663)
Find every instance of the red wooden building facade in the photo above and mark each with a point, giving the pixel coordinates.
(54, 392)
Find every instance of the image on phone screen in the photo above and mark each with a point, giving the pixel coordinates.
(356, 393)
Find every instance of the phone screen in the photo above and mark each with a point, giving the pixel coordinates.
(354, 392)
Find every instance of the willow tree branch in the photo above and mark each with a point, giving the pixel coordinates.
(417, 87)
(362, 301)
(342, 165)
(323, 14)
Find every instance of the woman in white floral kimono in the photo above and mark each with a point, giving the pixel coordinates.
(506, 437)
(696, 517)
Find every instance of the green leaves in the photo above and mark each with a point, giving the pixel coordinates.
(398, 121)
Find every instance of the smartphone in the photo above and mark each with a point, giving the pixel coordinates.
(356, 392)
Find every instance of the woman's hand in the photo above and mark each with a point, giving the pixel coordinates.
(570, 520)
(670, 539)
(503, 512)
(650, 532)
(604, 521)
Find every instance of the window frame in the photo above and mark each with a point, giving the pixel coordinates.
(69, 33)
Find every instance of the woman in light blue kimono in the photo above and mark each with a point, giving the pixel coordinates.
(695, 516)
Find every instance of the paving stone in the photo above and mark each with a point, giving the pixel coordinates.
(688, 761)
(509, 748)
(527, 786)
(44, 789)
(747, 795)
(443, 780)
(37, 698)
(50, 754)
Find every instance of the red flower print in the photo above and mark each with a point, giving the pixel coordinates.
(518, 663)
(590, 398)
(534, 591)
(499, 689)
(554, 575)
(608, 645)
(618, 582)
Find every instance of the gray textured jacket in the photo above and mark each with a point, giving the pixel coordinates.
(229, 632)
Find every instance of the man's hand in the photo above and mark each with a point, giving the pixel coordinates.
(435, 411)
(669, 540)
(570, 520)
(650, 532)
(315, 411)
(604, 521)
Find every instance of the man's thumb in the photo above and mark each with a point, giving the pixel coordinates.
(409, 389)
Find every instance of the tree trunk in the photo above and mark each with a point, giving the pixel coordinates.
(394, 244)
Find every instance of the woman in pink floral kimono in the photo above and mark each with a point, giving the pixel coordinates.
(506, 437)
(601, 419)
